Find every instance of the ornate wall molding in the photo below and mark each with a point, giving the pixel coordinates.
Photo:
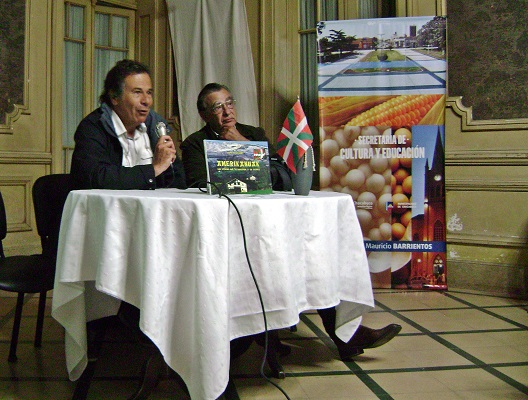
(484, 240)
(487, 158)
(25, 183)
(469, 124)
(131, 4)
(485, 185)
(22, 157)
(21, 109)
(12, 117)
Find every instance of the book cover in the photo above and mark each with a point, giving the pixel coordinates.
(237, 167)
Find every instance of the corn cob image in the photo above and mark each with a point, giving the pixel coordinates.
(404, 110)
(337, 110)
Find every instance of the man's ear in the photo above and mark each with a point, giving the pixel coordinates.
(113, 98)
(202, 114)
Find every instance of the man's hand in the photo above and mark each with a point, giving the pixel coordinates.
(231, 133)
(164, 154)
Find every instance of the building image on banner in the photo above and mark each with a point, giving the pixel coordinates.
(382, 88)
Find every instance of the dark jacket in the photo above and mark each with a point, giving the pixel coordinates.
(193, 155)
(98, 156)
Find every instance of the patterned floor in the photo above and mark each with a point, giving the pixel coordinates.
(453, 345)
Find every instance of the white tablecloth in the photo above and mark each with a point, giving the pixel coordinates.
(179, 257)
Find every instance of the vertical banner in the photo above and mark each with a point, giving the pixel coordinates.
(382, 88)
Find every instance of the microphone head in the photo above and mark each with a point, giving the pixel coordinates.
(161, 129)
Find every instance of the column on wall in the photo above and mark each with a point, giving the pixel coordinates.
(277, 61)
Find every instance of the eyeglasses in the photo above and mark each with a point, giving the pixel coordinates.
(217, 108)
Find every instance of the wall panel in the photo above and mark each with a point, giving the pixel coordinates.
(487, 192)
(26, 148)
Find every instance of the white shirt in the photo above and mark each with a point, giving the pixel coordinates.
(136, 150)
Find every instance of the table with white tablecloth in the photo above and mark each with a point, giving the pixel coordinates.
(178, 255)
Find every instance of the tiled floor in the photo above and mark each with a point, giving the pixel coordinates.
(453, 345)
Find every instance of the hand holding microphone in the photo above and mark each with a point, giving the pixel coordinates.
(161, 129)
(165, 152)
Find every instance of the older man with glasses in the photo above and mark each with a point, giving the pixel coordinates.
(216, 106)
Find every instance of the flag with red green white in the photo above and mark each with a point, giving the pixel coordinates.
(295, 137)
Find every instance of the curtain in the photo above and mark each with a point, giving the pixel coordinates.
(368, 9)
(211, 44)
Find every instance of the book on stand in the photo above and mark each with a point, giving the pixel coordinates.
(237, 167)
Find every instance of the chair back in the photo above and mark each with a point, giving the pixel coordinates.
(3, 225)
(49, 195)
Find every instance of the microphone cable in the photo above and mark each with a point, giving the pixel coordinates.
(262, 373)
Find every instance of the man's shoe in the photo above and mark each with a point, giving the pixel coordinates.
(346, 352)
(366, 338)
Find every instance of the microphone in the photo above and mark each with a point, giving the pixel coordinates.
(161, 129)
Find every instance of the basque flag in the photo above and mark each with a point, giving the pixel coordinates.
(295, 137)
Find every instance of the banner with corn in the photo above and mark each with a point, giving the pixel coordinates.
(381, 110)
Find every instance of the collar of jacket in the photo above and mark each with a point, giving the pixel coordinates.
(106, 119)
